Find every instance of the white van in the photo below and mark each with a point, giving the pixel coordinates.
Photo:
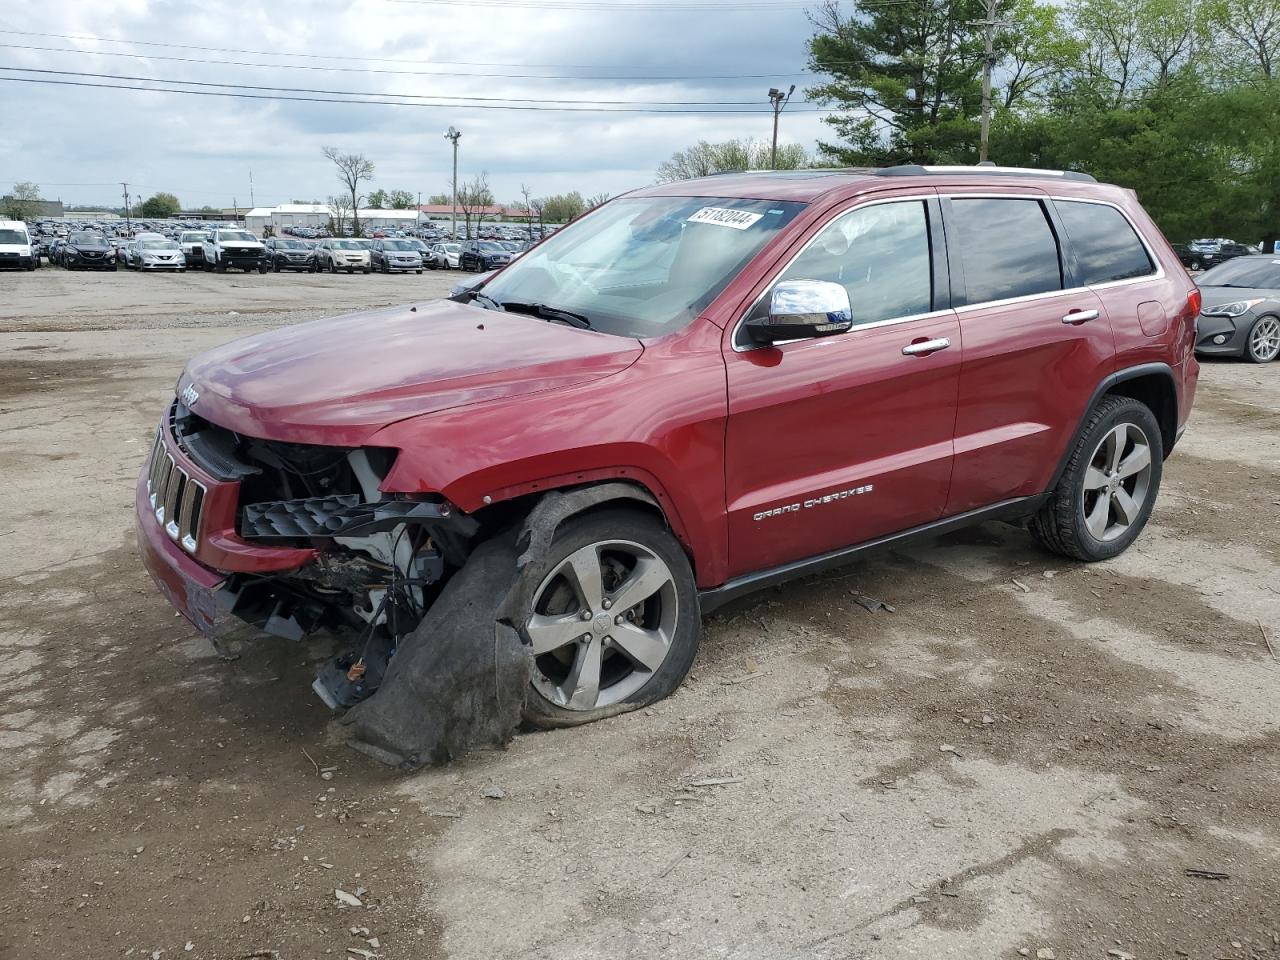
(15, 246)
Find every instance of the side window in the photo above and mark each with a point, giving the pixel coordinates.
(1104, 242)
(1008, 248)
(879, 253)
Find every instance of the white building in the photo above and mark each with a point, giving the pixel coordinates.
(318, 215)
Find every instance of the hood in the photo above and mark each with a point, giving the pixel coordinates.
(92, 247)
(339, 381)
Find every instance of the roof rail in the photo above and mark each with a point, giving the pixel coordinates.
(988, 169)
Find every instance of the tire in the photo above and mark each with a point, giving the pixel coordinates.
(1263, 342)
(418, 272)
(672, 614)
(1086, 517)
(333, 267)
(313, 269)
(182, 269)
(367, 270)
(219, 266)
(1196, 265)
(262, 268)
(275, 266)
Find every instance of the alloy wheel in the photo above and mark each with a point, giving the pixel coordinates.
(1117, 482)
(1264, 340)
(602, 625)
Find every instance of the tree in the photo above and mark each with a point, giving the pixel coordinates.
(160, 206)
(598, 199)
(401, 200)
(1034, 49)
(22, 202)
(473, 196)
(904, 78)
(564, 207)
(703, 159)
(377, 200)
(527, 194)
(353, 170)
(339, 211)
(440, 199)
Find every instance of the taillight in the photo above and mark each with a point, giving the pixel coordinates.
(1194, 302)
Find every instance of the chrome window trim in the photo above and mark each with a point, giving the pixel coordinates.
(943, 194)
(897, 198)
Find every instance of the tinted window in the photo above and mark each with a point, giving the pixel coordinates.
(880, 254)
(1106, 246)
(1008, 248)
(1258, 272)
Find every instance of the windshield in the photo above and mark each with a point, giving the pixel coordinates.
(239, 235)
(347, 245)
(1261, 272)
(157, 245)
(290, 244)
(451, 247)
(398, 245)
(644, 266)
(12, 236)
(86, 238)
(190, 235)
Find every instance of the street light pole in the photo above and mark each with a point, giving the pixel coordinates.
(454, 135)
(989, 26)
(779, 100)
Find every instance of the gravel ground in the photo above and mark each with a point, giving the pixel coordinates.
(1027, 755)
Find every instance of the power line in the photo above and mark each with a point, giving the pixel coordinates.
(402, 73)
(378, 93)
(385, 103)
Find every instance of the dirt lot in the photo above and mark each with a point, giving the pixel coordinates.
(1028, 755)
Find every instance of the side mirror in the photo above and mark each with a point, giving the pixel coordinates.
(802, 309)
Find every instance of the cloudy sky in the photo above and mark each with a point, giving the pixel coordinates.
(78, 142)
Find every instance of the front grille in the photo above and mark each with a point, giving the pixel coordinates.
(175, 497)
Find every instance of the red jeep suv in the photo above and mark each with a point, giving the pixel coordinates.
(721, 383)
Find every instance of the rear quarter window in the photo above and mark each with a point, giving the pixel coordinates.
(1105, 244)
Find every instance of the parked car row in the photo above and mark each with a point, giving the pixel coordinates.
(1206, 253)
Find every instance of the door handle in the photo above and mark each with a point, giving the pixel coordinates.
(926, 347)
(1080, 316)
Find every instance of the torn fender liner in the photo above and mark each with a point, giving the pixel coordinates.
(458, 682)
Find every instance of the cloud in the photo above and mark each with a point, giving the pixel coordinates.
(202, 148)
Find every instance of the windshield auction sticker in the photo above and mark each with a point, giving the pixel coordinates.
(722, 217)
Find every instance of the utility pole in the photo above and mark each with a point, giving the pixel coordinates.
(989, 26)
(251, 203)
(779, 100)
(455, 136)
(127, 227)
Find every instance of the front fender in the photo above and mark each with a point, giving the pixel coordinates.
(659, 424)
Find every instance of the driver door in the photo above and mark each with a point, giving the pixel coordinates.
(843, 439)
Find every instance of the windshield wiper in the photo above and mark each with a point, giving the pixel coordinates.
(547, 312)
(493, 304)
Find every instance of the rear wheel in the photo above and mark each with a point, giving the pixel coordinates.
(1263, 344)
(1107, 492)
(612, 618)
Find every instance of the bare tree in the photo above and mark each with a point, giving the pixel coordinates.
(528, 208)
(598, 199)
(339, 210)
(473, 197)
(353, 170)
(538, 205)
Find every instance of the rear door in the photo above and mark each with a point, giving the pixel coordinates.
(839, 440)
(1036, 344)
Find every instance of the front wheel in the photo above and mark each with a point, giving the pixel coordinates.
(1105, 496)
(612, 618)
(1263, 344)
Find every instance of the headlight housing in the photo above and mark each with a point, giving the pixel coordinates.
(1236, 308)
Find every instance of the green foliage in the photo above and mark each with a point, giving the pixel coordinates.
(159, 206)
(563, 207)
(20, 204)
(703, 159)
(401, 200)
(377, 200)
(1178, 101)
